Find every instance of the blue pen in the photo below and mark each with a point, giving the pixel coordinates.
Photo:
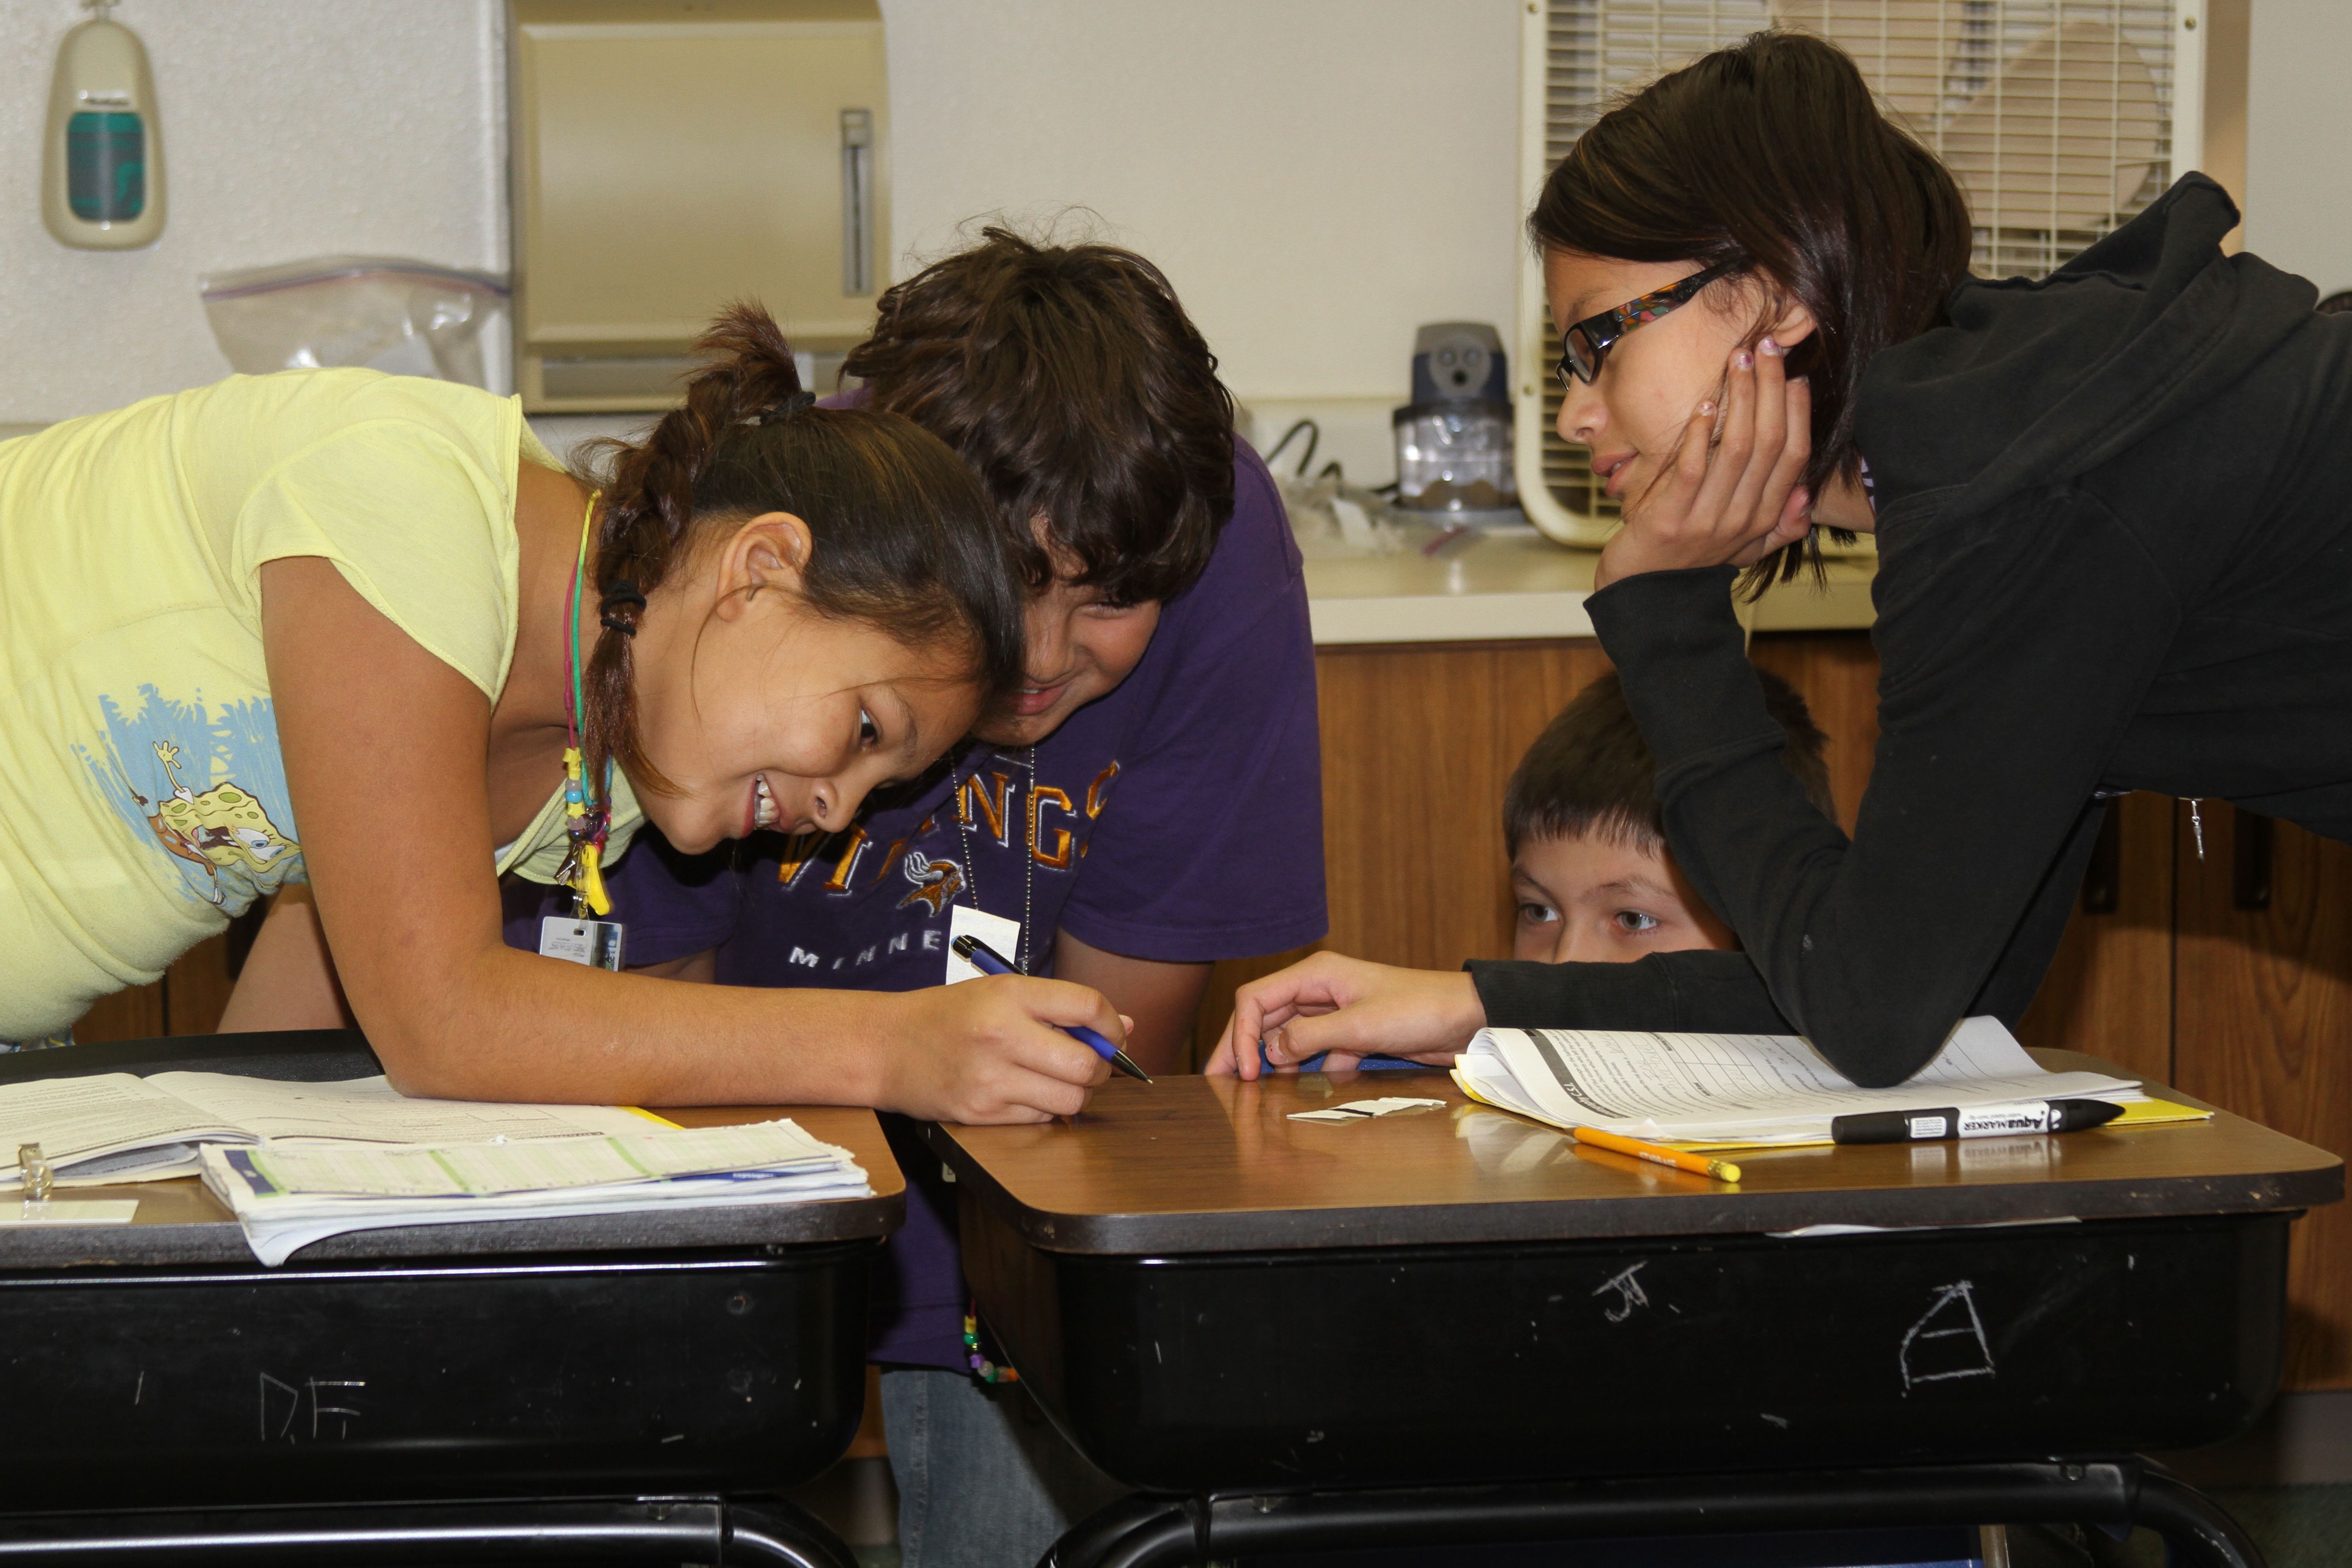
(988, 960)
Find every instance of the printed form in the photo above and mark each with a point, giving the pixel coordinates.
(1760, 1087)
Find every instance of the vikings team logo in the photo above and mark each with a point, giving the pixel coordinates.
(937, 883)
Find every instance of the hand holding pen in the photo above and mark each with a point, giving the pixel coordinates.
(986, 959)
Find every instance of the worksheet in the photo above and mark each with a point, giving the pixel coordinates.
(287, 1195)
(372, 1110)
(118, 1127)
(1685, 1087)
(476, 1170)
(77, 1118)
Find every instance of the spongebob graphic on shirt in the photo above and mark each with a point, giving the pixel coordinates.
(206, 786)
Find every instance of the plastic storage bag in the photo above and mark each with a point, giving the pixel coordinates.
(410, 318)
(1331, 519)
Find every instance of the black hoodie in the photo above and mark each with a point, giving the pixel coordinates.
(2115, 535)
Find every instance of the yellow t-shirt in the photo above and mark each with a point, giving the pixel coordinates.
(142, 797)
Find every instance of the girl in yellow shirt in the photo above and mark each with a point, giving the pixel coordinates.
(344, 628)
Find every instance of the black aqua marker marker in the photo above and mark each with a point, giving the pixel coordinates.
(1973, 1121)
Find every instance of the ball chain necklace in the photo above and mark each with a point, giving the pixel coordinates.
(982, 1366)
(1028, 861)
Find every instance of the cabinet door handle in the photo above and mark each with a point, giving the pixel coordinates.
(857, 201)
(2250, 860)
(2103, 877)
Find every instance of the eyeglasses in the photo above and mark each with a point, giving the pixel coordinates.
(1584, 346)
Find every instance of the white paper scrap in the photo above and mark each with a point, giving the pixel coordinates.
(994, 931)
(1360, 1109)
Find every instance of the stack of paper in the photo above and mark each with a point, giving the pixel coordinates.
(114, 1127)
(1742, 1091)
(297, 1161)
(287, 1195)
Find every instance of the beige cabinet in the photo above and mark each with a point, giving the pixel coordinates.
(673, 156)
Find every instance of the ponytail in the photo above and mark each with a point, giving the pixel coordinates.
(903, 535)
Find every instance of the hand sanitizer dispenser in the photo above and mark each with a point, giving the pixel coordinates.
(102, 161)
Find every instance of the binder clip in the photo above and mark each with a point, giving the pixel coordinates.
(37, 1177)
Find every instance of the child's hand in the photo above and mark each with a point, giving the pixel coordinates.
(1343, 1005)
(1730, 496)
(992, 1051)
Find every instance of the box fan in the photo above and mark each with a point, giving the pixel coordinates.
(2062, 119)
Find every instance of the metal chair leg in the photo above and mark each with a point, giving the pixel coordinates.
(2200, 1533)
(410, 1536)
(1133, 1532)
(782, 1534)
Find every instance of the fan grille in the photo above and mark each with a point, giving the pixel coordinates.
(2055, 115)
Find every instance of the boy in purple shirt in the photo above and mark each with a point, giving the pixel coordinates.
(1150, 803)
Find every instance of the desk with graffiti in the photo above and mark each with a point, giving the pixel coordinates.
(1455, 1325)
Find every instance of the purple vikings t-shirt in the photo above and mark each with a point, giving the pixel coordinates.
(1178, 818)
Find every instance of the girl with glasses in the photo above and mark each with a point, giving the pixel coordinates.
(2113, 545)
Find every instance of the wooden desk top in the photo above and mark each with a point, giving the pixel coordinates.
(1213, 1164)
(180, 1223)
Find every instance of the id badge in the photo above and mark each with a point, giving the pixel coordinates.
(596, 943)
(994, 931)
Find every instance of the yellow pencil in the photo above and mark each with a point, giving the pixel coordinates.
(1697, 1164)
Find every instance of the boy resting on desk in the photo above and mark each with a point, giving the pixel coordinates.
(1591, 873)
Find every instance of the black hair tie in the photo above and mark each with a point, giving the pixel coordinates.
(784, 410)
(621, 595)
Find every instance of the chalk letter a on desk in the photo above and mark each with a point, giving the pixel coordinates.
(1948, 1341)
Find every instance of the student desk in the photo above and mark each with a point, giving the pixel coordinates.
(1457, 1325)
(597, 1389)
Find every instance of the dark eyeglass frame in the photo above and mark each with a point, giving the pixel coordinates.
(1584, 346)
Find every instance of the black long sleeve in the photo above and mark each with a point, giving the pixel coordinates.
(2015, 653)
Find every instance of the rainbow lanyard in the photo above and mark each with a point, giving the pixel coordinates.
(586, 822)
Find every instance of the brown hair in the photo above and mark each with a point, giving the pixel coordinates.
(1590, 774)
(901, 531)
(1073, 383)
(1772, 157)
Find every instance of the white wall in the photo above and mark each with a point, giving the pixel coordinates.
(1318, 177)
(2298, 183)
(290, 128)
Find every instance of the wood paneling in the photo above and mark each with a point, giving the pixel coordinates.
(197, 990)
(2263, 1016)
(2109, 991)
(134, 1014)
(1837, 675)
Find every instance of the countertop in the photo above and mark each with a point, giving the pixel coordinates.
(1512, 584)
